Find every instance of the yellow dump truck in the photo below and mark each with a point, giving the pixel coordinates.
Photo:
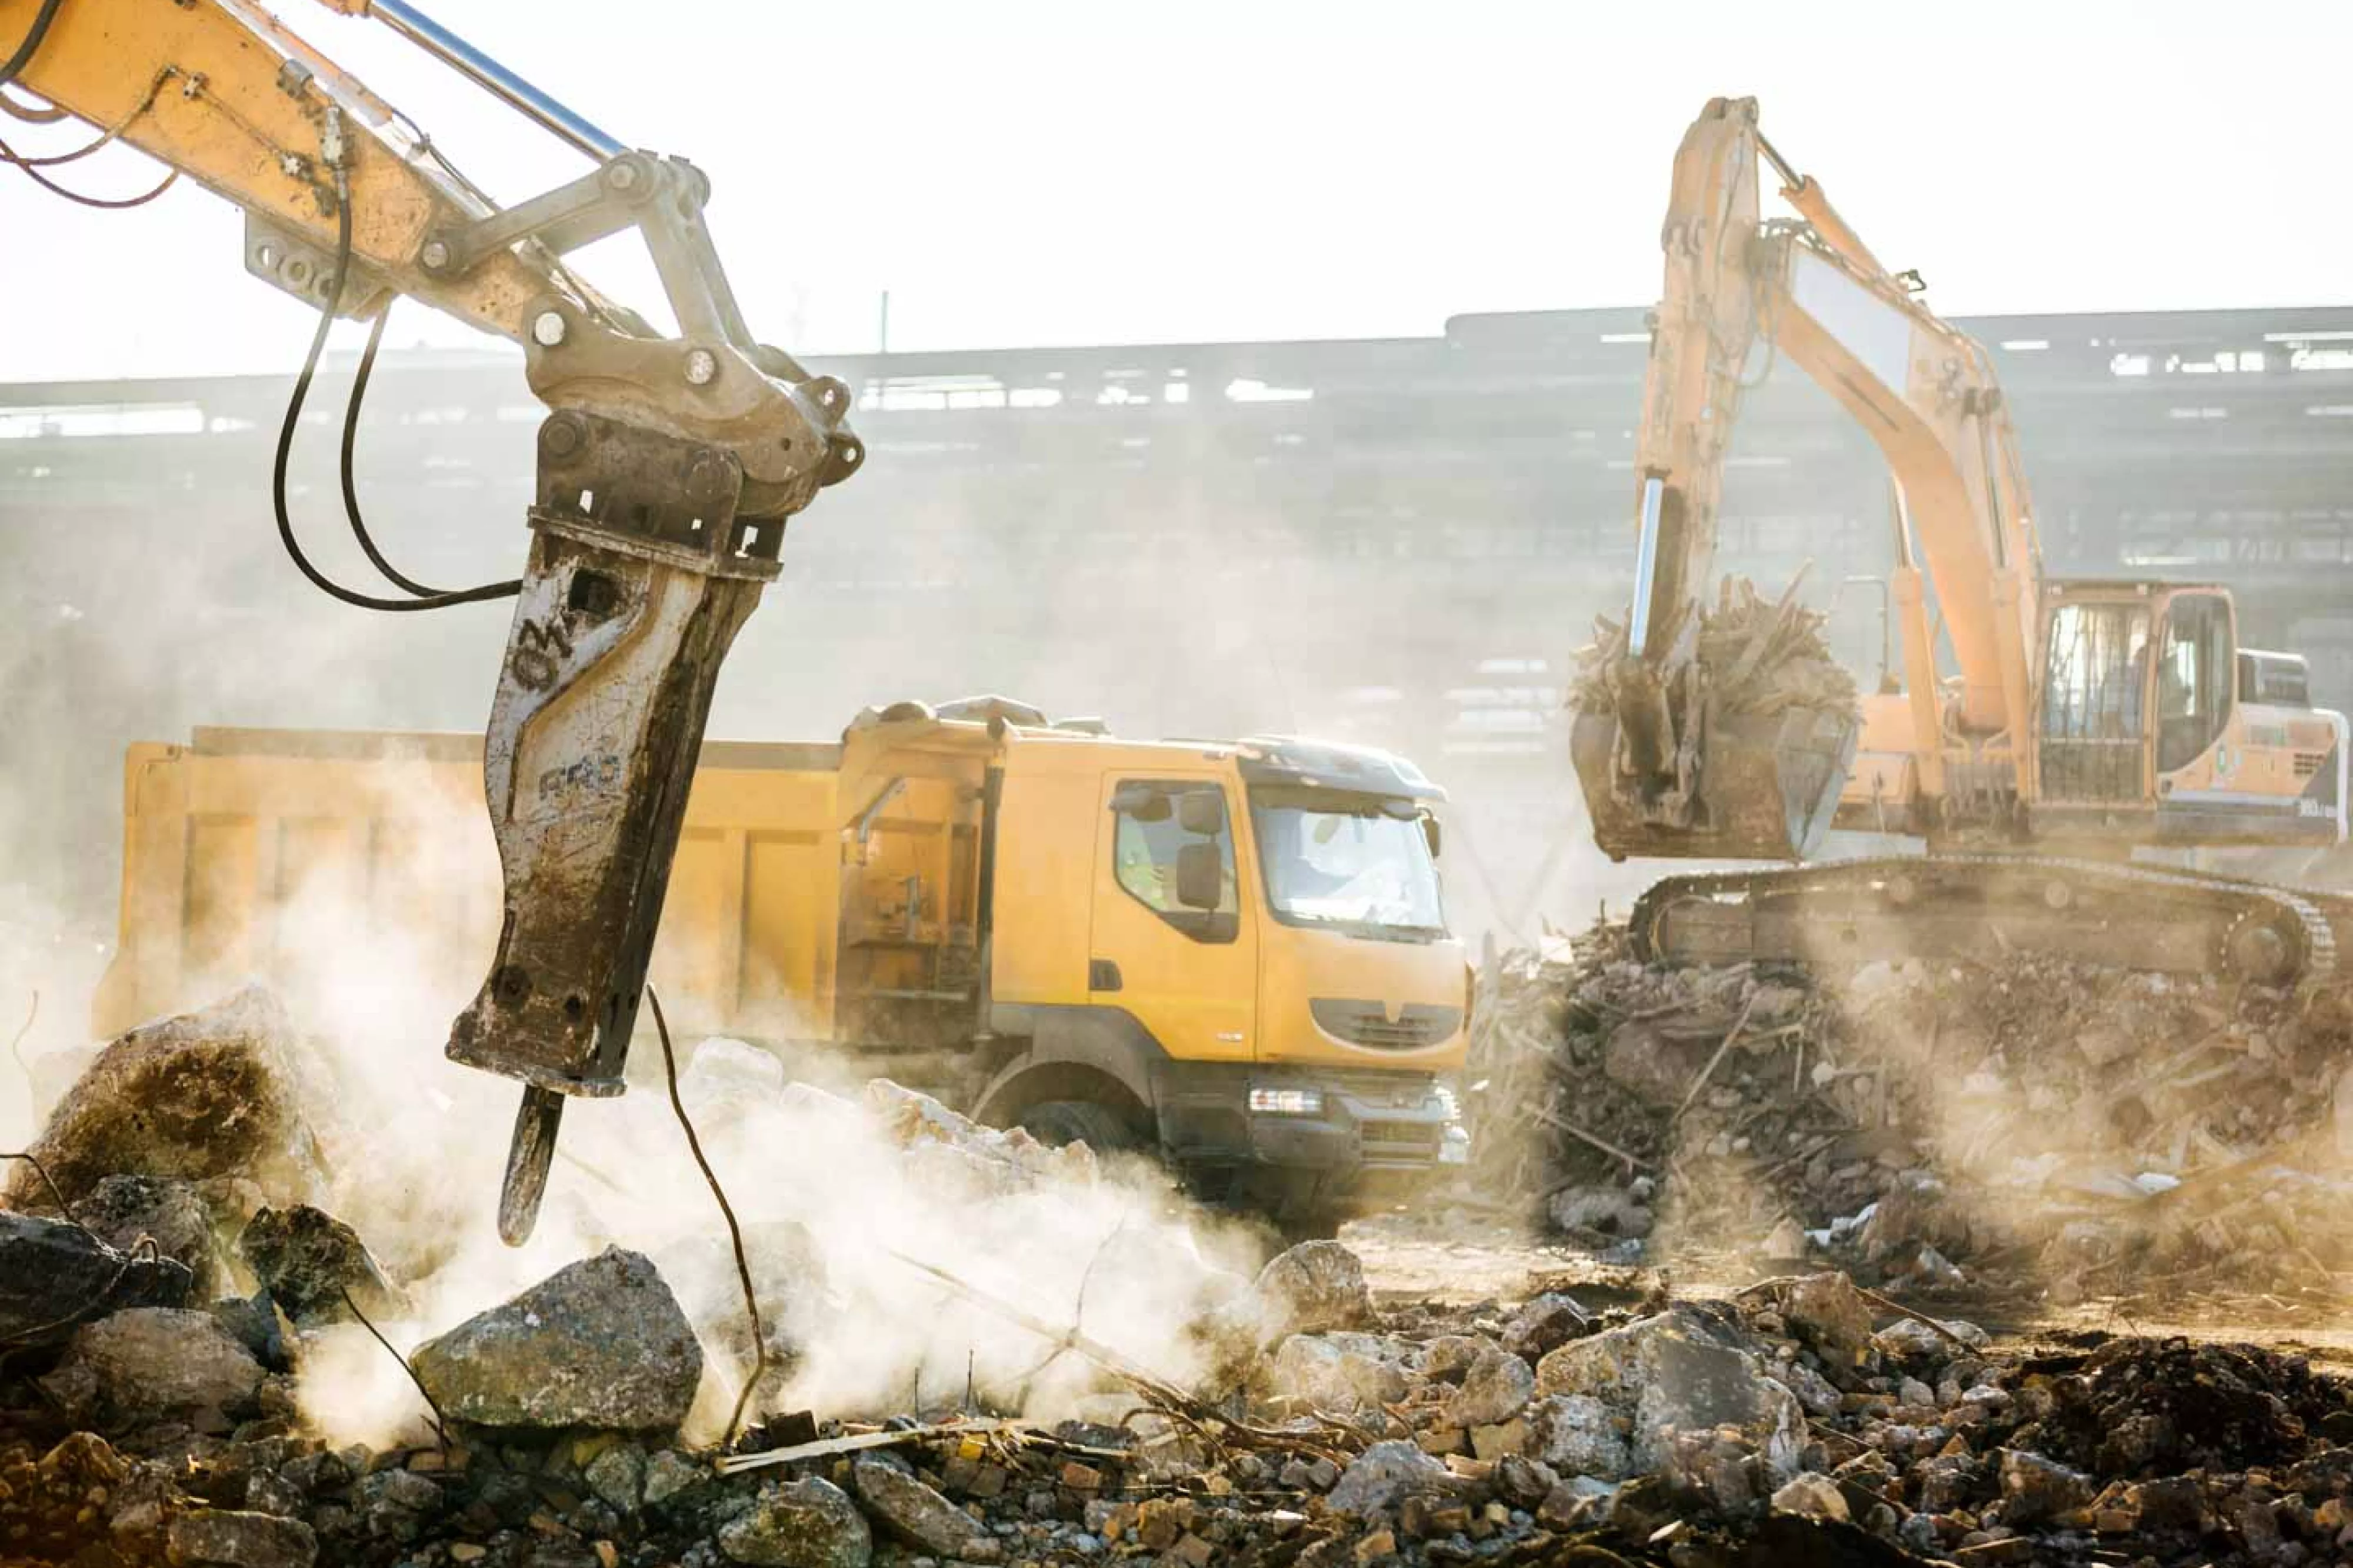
(1232, 953)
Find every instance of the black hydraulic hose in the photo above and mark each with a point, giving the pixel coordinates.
(351, 493)
(31, 44)
(293, 547)
(113, 204)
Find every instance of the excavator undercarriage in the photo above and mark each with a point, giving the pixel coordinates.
(1990, 907)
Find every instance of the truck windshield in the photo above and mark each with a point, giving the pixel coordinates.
(1358, 862)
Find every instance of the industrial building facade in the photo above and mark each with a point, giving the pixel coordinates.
(1398, 540)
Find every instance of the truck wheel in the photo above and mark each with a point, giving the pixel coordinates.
(1055, 1123)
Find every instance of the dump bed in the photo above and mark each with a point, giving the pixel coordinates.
(311, 858)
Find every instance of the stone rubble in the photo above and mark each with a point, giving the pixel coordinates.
(1797, 1419)
(1794, 1421)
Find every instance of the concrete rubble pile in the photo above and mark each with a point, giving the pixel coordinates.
(2086, 1129)
(145, 1419)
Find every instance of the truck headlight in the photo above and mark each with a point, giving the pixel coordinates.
(1286, 1101)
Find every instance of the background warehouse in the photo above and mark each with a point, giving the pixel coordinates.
(1397, 540)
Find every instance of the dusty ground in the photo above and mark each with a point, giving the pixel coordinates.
(1462, 1260)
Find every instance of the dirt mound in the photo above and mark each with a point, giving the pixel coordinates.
(2139, 1408)
(2094, 1130)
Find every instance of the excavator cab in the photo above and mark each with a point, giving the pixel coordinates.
(2158, 728)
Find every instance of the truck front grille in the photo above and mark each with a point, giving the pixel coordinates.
(1408, 1143)
(1370, 1023)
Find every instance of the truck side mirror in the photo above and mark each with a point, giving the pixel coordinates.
(1201, 811)
(1430, 832)
(1200, 876)
(1144, 802)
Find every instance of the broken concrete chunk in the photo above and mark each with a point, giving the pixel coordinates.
(807, 1523)
(307, 1259)
(1494, 1388)
(920, 1516)
(1605, 1210)
(1578, 1435)
(1383, 1473)
(397, 1504)
(599, 1343)
(1813, 1390)
(1340, 1374)
(152, 1362)
(84, 1459)
(2034, 1489)
(171, 1213)
(1785, 1241)
(55, 1276)
(1812, 1495)
(1828, 1314)
(209, 1093)
(1684, 1369)
(986, 1159)
(255, 1322)
(1449, 1357)
(1652, 1064)
(222, 1537)
(726, 1077)
(1312, 1288)
(1547, 1322)
(669, 1473)
(618, 1476)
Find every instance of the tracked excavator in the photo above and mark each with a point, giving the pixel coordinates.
(2082, 724)
(668, 464)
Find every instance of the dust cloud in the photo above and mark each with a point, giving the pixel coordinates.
(834, 1190)
(836, 1181)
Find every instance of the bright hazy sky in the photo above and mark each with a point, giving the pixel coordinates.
(1021, 172)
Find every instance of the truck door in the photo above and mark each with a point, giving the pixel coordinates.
(1173, 942)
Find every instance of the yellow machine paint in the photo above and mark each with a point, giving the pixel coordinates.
(984, 902)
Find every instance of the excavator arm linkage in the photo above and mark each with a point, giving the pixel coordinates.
(667, 466)
(1716, 724)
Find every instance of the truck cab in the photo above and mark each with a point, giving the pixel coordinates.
(1266, 988)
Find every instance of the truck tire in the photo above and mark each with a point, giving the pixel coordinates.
(1055, 1123)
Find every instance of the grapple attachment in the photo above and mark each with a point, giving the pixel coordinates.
(1765, 787)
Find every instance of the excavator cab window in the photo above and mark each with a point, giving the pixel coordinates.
(2196, 671)
(2095, 677)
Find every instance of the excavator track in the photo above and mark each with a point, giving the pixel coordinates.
(1991, 906)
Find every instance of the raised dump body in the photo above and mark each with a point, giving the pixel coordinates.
(1234, 952)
